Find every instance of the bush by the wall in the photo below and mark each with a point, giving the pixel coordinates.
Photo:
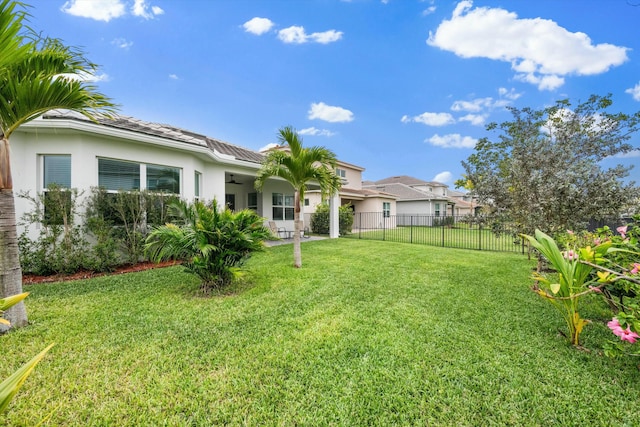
(320, 219)
(61, 246)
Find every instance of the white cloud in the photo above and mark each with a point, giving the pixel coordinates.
(634, 91)
(540, 51)
(174, 77)
(510, 94)
(268, 147)
(453, 140)
(122, 43)
(85, 77)
(429, 11)
(478, 104)
(316, 132)
(297, 34)
(443, 177)
(141, 8)
(100, 10)
(629, 155)
(430, 119)
(106, 10)
(474, 119)
(329, 113)
(258, 26)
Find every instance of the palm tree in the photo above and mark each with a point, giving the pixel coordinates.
(299, 166)
(212, 242)
(40, 74)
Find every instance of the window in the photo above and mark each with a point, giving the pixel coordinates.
(118, 175)
(56, 170)
(57, 204)
(386, 209)
(197, 181)
(341, 173)
(163, 179)
(115, 175)
(282, 206)
(437, 209)
(252, 201)
(306, 202)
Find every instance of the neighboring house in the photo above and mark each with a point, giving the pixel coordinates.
(418, 197)
(124, 153)
(352, 194)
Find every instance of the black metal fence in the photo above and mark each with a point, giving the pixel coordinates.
(463, 232)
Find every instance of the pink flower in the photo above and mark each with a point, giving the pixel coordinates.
(596, 241)
(570, 232)
(595, 289)
(628, 335)
(615, 327)
(570, 255)
(635, 269)
(622, 231)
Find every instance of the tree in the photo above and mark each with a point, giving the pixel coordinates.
(212, 242)
(299, 166)
(544, 171)
(36, 75)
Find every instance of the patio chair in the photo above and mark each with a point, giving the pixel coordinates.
(278, 232)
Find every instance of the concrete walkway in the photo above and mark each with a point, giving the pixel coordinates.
(270, 243)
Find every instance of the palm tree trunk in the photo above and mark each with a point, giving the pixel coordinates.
(10, 271)
(297, 252)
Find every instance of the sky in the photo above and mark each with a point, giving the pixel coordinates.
(398, 87)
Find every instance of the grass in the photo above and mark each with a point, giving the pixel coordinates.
(367, 333)
(460, 237)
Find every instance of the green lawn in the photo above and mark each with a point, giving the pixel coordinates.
(367, 333)
(461, 236)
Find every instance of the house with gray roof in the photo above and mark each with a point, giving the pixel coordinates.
(419, 197)
(124, 153)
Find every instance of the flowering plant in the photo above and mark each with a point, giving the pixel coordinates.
(572, 280)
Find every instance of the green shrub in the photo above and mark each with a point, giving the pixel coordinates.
(61, 246)
(320, 219)
(212, 242)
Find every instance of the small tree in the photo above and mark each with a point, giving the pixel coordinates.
(299, 166)
(212, 242)
(543, 171)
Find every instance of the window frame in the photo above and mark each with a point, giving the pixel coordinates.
(386, 209)
(284, 205)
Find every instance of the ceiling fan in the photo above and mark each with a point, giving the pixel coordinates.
(233, 181)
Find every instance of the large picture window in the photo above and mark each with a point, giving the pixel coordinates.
(282, 206)
(117, 175)
(163, 179)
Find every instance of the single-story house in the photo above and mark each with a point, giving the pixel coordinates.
(124, 153)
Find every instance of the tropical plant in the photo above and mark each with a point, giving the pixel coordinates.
(571, 279)
(10, 386)
(212, 242)
(299, 166)
(36, 75)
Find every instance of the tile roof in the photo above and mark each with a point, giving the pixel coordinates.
(163, 131)
(408, 180)
(404, 192)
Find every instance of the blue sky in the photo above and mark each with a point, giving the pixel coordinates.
(399, 87)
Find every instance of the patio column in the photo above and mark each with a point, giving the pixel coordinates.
(334, 223)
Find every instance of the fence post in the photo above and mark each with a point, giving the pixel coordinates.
(442, 225)
(480, 236)
(383, 227)
(411, 229)
(360, 226)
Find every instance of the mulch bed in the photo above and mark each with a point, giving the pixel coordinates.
(28, 279)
